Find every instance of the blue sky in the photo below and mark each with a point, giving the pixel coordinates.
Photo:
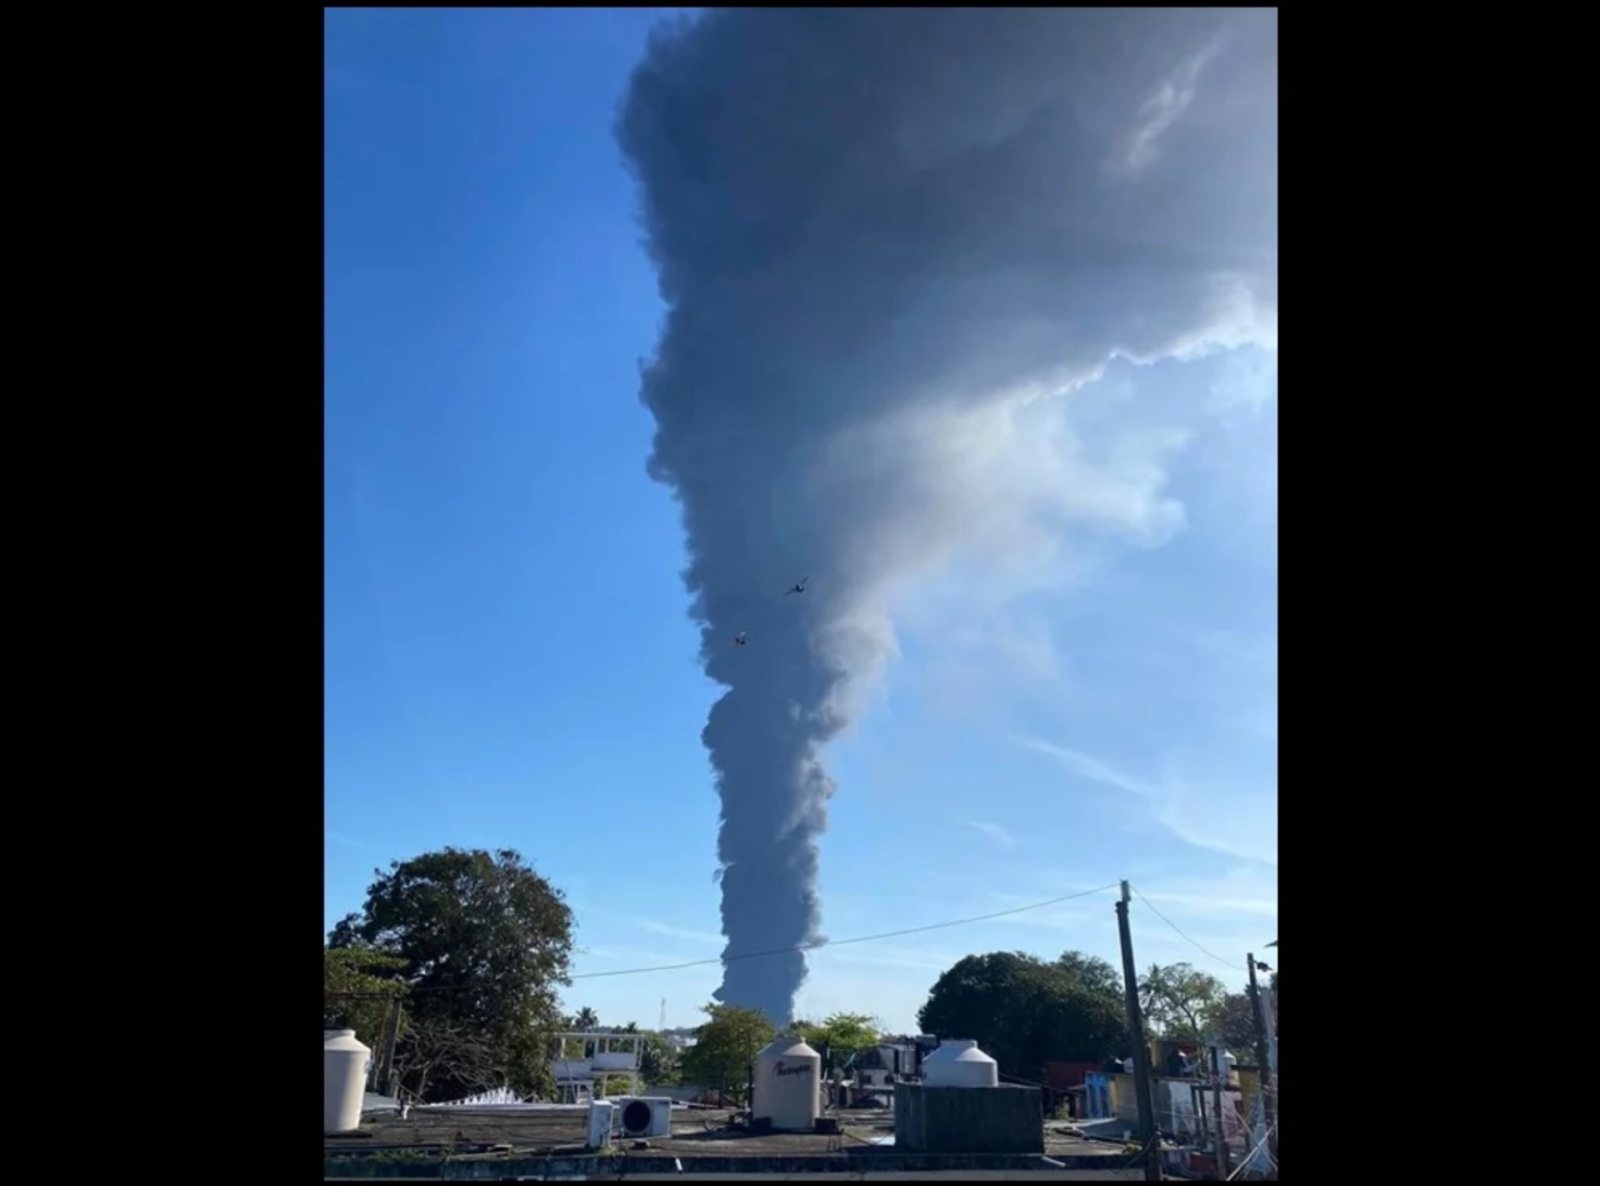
(508, 657)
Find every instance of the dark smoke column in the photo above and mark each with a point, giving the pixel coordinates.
(876, 232)
(732, 422)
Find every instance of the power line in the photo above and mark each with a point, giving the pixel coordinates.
(1184, 934)
(821, 943)
(721, 959)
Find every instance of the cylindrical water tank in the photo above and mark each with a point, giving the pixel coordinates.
(959, 1063)
(344, 1080)
(787, 1085)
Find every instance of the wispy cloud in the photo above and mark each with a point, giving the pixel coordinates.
(1245, 382)
(1211, 904)
(994, 832)
(640, 957)
(1160, 110)
(340, 838)
(1090, 768)
(1242, 894)
(1055, 918)
(672, 932)
(871, 955)
(1239, 822)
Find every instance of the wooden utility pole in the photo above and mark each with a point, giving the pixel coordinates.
(388, 1053)
(1218, 1074)
(1148, 1138)
(375, 1074)
(1268, 1079)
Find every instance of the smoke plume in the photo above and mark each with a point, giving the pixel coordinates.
(883, 236)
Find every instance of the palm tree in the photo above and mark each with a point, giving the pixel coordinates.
(586, 1019)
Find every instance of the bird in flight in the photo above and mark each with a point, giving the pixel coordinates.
(799, 586)
(739, 639)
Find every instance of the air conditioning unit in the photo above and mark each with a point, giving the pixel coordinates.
(644, 1116)
(602, 1115)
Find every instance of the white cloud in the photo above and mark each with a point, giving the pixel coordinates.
(1237, 821)
(1245, 382)
(994, 832)
(1242, 892)
(1139, 148)
(1070, 478)
(661, 928)
(873, 956)
(640, 957)
(1087, 767)
(1211, 904)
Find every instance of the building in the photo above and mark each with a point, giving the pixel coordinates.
(579, 1059)
(882, 1066)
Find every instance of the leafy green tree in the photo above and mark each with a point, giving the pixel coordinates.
(585, 1019)
(1178, 998)
(725, 1046)
(843, 1033)
(483, 943)
(1025, 1012)
(359, 989)
(1233, 1020)
(658, 1059)
(1092, 974)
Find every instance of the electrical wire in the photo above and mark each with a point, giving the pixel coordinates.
(821, 943)
(723, 959)
(1184, 935)
(1250, 1156)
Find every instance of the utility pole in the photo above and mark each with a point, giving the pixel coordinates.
(388, 1058)
(1218, 1074)
(375, 1075)
(663, 1026)
(1141, 1053)
(1268, 1079)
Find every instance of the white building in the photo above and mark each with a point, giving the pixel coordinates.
(578, 1058)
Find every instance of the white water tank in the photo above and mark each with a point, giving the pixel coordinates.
(959, 1063)
(344, 1080)
(788, 1078)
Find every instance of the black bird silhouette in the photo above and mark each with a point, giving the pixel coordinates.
(799, 586)
(738, 639)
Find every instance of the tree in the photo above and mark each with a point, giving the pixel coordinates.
(1233, 1020)
(452, 1060)
(1025, 1012)
(483, 942)
(844, 1034)
(658, 1060)
(725, 1046)
(359, 989)
(585, 1019)
(1178, 998)
(1092, 973)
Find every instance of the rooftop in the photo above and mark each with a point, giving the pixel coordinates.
(534, 1130)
